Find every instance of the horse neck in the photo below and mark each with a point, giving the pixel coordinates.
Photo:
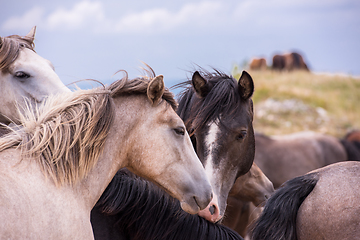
(114, 154)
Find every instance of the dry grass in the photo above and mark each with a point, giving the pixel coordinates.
(287, 102)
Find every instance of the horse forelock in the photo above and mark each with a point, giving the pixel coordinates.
(10, 47)
(222, 100)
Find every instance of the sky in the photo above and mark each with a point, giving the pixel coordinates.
(94, 39)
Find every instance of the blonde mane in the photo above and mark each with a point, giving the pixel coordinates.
(67, 133)
(10, 47)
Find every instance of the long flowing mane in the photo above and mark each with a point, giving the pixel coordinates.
(223, 99)
(67, 133)
(141, 210)
(10, 47)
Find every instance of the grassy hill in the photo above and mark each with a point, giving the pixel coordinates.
(287, 102)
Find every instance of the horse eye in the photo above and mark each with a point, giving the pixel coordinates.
(179, 131)
(21, 75)
(241, 135)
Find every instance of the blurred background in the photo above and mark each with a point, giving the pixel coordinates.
(94, 39)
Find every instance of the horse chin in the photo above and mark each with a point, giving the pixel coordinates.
(190, 206)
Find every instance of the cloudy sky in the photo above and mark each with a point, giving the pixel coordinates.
(94, 39)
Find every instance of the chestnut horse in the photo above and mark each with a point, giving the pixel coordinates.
(258, 64)
(55, 167)
(323, 204)
(24, 76)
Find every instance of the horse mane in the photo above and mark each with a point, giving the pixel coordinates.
(222, 99)
(143, 211)
(10, 47)
(66, 134)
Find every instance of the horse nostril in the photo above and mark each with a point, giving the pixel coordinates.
(212, 209)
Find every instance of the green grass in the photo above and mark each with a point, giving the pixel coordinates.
(338, 95)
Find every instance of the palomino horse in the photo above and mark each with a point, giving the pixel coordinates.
(24, 75)
(248, 192)
(134, 209)
(218, 113)
(55, 167)
(284, 157)
(323, 204)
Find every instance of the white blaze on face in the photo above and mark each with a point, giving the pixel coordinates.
(211, 145)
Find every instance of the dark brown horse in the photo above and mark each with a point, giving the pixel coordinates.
(284, 157)
(289, 61)
(323, 204)
(218, 112)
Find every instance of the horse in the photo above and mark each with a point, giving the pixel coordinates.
(284, 157)
(289, 61)
(218, 113)
(247, 195)
(24, 77)
(323, 204)
(258, 64)
(54, 168)
(132, 208)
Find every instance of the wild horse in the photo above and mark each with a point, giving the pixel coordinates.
(24, 77)
(219, 117)
(55, 167)
(323, 204)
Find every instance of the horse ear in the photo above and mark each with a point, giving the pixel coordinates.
(155, 89)
(31, 34)
(246, 85)
(200, 84)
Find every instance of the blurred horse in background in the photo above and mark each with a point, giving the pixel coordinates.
(287, 156)
(289, 62)
(258, 64)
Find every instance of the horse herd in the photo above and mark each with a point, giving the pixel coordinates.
(128, 161)
(280, 62)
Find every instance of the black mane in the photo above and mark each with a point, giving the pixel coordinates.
(137, 209)
(223, 98)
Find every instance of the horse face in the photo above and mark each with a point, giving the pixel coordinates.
(29, 77)
(161, 151)
(225, 144)
(226, 151)
(253, 187)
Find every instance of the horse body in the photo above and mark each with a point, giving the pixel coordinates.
(322, 204)
(289, 62)
(284, 157)
(70, 151)
(24, 75)
(258, 64)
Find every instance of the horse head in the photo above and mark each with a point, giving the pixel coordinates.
(218, 113)
(24, 76)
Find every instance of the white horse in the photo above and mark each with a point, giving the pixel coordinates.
(55, 167)
(24, 75)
